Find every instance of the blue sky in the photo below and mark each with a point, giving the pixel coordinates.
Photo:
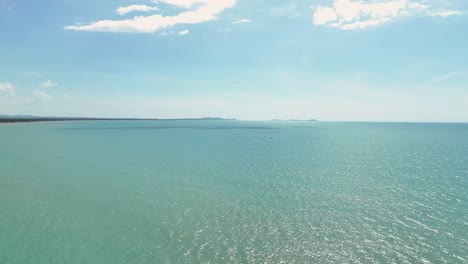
(389, 60)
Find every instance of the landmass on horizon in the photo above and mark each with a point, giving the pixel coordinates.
(32, 118)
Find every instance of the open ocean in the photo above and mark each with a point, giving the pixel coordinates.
(138, 192)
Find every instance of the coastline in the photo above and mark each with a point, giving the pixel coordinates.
(7, 121)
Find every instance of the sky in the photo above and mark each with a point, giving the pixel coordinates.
(332, 60)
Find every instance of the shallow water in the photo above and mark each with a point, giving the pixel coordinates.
(233, 192)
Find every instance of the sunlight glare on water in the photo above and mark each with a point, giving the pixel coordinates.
(233, 192)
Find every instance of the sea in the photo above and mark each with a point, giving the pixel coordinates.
(221, 191)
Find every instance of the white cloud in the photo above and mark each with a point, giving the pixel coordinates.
(48, 84)
(135, 8)
(324, 15)
(242, 21)
(352, 15)
(203, 11)
(6, 88)
(184, 32)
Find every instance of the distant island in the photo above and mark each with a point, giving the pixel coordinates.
(30, 118)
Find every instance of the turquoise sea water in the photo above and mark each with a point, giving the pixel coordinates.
(233, 192)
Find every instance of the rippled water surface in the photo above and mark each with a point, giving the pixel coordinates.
(233, 192)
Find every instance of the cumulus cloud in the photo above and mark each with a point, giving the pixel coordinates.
(242, 21)
(48, 84)
(352, 15)
(198, 11)
(184, 32)
(135, 8)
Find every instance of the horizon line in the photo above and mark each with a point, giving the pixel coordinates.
(32, 118)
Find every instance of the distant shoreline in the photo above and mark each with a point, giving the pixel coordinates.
(14, 120)
(36, 120)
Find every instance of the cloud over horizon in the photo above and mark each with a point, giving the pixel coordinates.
(197, 11)
(353, 15)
